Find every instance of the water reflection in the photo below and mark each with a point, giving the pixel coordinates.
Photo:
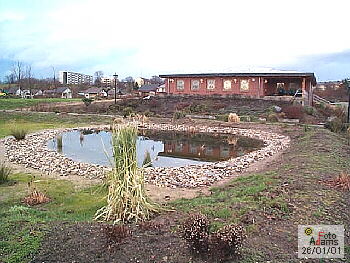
(155, 148)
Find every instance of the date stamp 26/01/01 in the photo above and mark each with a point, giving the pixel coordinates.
(321, 241)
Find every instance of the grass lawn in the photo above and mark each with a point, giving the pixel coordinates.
(38, 121)
(14, 103)
(22, 228)
(269, 203)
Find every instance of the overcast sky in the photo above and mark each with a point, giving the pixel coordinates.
(144, 38)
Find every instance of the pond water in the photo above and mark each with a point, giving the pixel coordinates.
(166, 149)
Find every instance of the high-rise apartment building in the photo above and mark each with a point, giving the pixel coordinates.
(68, 77)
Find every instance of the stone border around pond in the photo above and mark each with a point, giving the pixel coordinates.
(34, 153)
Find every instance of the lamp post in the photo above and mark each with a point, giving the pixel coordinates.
(115, 87)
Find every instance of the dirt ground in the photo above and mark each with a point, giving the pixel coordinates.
(302, 172)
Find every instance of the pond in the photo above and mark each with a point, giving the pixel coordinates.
(166, 148)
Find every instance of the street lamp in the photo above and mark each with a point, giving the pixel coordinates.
(115, 87)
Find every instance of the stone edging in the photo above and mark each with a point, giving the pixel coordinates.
(33, 152)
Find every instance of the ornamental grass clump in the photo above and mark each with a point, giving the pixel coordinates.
(5, 171)
(18, 132)
(126, 198)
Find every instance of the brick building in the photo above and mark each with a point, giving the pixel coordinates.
(245, 84)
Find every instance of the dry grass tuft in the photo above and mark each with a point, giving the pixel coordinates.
(36, 198)
(234, 118)
(342, 181)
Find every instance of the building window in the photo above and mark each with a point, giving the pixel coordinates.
(280, 85)
(194, 84)
(180, 84)
(244, 85)
(211, 84)
(227, 84)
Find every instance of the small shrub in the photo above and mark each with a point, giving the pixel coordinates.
(18, 132)
(223, 117)
(148, 113)
(117, 233)
(342, 181)
(227, 241)
(178, 115)
(87, 101)
(338, 121)
(293, 111)
(182, 105)
(195, 230)
(128, 111)
(198, 108)
(5, 171)
(272, 117)
(233, 117)
(309, 110)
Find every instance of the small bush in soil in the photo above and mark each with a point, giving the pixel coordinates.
(87, 101)
(293, 111)
(227, 242)
(117, 233)
(5, 171)
(182, 105)
(272, 117)
(127, 111)
(195, 230)
(337, 123)
(223, 117)
(309, 110)
(220, 245)
(18, 132)
(148, 113)
(178, 115)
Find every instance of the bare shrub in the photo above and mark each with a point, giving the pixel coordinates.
(272, 117)
(195, 230)
(227, 242)
(293, 111)
(222, 245)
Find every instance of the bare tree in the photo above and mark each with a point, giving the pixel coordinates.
(54, 76)
(17, 70)
(29, 78)
(10, 79)
(98, 76)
